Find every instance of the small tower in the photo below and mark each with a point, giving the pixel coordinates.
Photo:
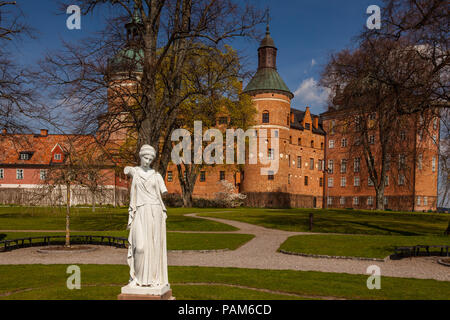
(272, 99)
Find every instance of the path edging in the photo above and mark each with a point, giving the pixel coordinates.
(330, 257)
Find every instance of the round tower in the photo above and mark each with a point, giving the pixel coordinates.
(272, 99)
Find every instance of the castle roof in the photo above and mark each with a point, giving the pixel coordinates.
(267, 79)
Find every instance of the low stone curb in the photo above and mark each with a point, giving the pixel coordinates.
(50, 250)
(441, 261)
(198, 251)
(331, 257)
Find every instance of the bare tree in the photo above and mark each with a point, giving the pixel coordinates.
(145, 78)
(375, 92)
(18, 98)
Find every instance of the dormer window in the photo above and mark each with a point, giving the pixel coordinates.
(57, 156)
(25, 155)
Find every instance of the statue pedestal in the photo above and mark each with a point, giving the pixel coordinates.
(146, 293)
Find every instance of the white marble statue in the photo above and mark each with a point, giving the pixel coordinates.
(147, 252)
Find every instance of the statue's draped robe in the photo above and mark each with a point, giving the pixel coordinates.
(147, 253)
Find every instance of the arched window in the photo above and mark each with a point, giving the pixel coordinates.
(265, 117)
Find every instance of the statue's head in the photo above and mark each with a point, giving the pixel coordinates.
(147, 154)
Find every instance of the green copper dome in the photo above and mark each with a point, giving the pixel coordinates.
(127, 59)
(268, 80)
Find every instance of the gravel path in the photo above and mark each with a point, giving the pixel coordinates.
(258, 253)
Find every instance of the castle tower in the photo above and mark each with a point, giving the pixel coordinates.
(124, 71)
(272, 100)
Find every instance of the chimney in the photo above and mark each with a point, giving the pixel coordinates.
(316, 122)
(44, 132)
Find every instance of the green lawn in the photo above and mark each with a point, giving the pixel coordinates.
(341, 221)
(175, 241)
(104, 282)
(367, 246)
(83, 219)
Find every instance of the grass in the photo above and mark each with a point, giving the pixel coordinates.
(104, 219)
(104, 282)
(367, 246)
(175, 241)
(341, 221)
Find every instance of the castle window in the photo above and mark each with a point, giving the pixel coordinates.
(306, 180)
(330, 182)
(222, 175)
(289, 179)
(344, 166)
(311, 164)
(19, 174)
(202, 176)
(344, 143)
(356, 164)
(271, 176)
(370, 201)
(308, 126)
(2, 173)
(356, 181)
(343, 181)
(425, 201)
(387, 163)
(299, 162)
(401, 161)
(330, 201)
(43, 174)
(271, 154)
(355, 201)
(332, 125)
(24, 156)
(57, 156)
(331, 144)
(320, 182)
(403, 135)
(265, 117)
(401, 180)
(299, 141)
(342, 201)
(419, 200)
(433, 164)
(372, 139)
(169, 176)
(330, 166)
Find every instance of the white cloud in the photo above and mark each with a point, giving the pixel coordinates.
(313, 63)
(310, 93)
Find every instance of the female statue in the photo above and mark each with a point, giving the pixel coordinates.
(147, 251)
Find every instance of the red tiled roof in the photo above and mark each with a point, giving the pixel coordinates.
(40, 146)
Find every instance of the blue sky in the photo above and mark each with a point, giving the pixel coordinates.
(305, 32)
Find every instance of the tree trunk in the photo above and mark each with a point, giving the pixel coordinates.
(187, 198)
(380, 198)
(93, 201)
(68, 216)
